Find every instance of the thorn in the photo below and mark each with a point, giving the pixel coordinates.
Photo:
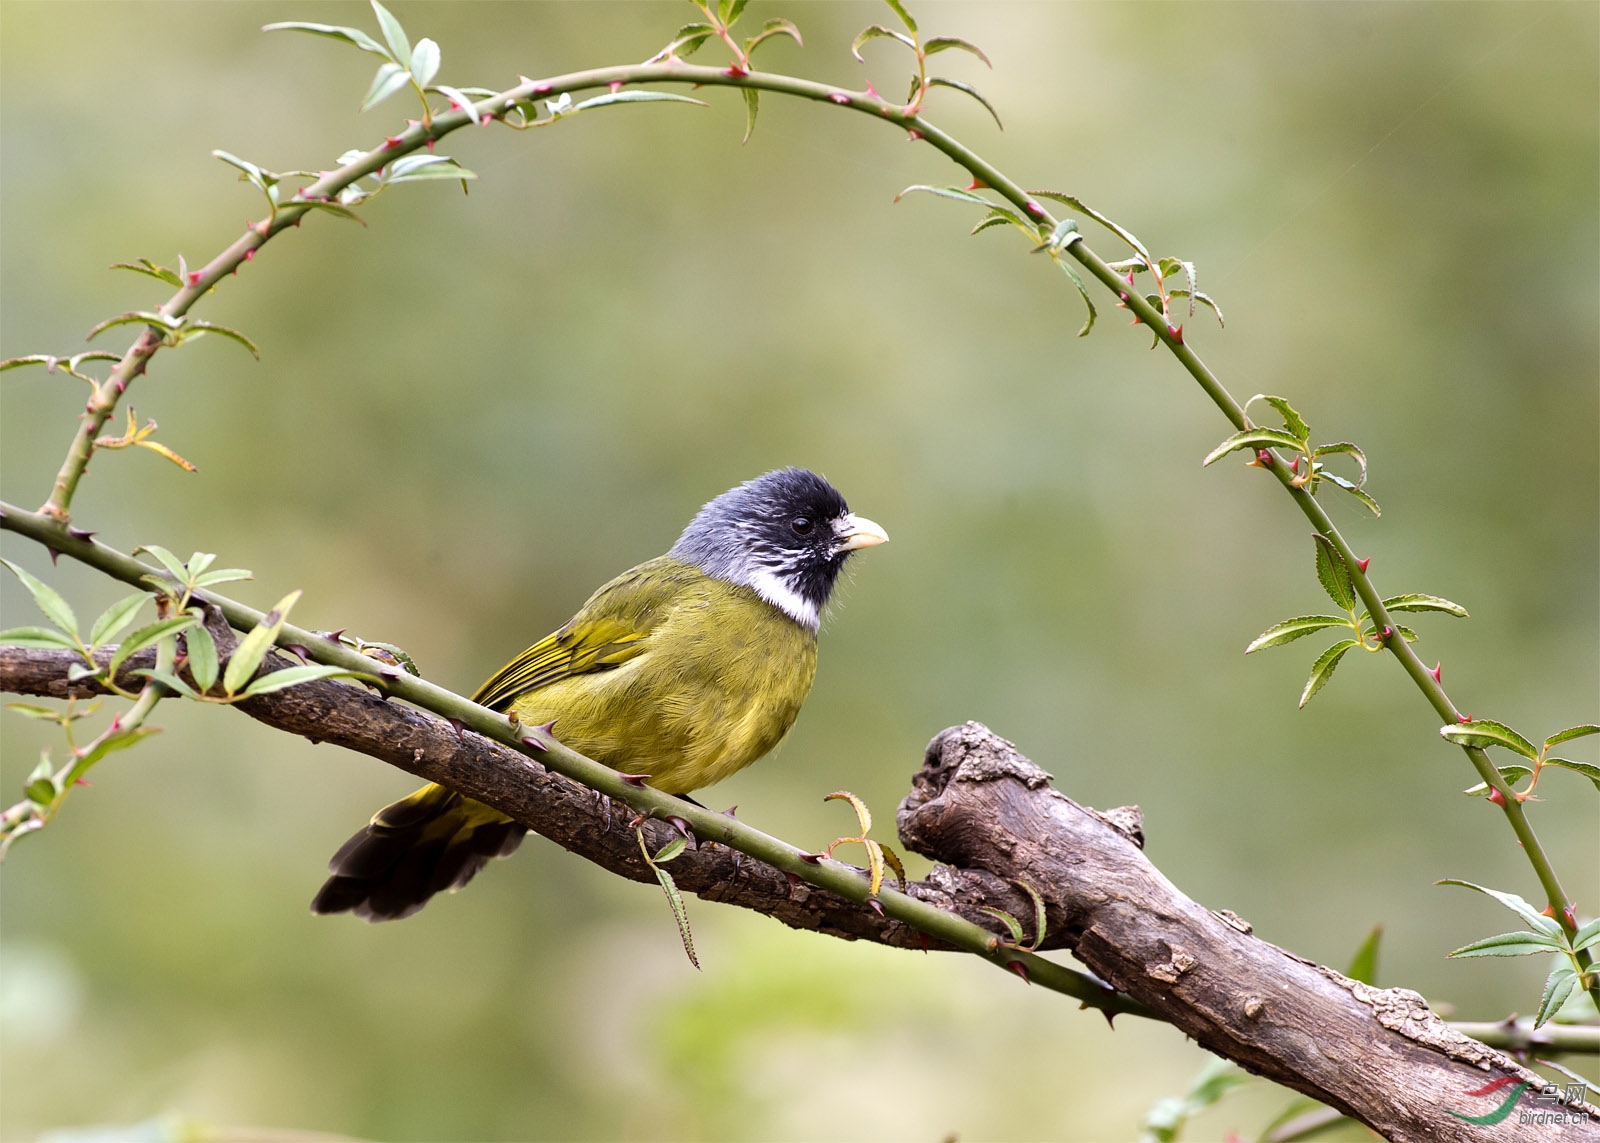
(922, 939)
(1032, 207)
(79, 533)
(393, 141)
(876, 906)
(1108, 1016)
(194, 277)
(1020, 969)
(1496, 796)
(122, 386)
(872, 92)
(733, 71)
(1548, 911)
(603, 804)
(250, 254)
(1362, 564)
(81, 782)
(978, 184)
(298, 652)
(1177, 333)
(615, 86)
(431, 142)
(1436, 672)
(116, 723)
(913, 135)
(1388, 633)
(547, 727)
(839, 97)
(53, 554)
(333, 636)
(637, 820)
(633, 779)
(1465, 718)
(533, 743)
(1265, 457)
(460, 728)
(1294, 466)
(794, 883)
(731, 811)
(811, 858)
(1570, 913)
(685, 831)
(543, 88)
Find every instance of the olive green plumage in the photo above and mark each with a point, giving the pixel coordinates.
(671, 671)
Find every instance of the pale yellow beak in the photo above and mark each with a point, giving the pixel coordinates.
(859, 532)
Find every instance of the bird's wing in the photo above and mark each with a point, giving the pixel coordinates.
(611, 628)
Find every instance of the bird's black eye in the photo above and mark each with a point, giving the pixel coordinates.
(801, 524)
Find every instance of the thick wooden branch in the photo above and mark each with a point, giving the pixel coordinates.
(1377, 1054)
(991, 818)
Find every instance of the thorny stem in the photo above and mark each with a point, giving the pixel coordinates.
(675, 71)
(835, 876)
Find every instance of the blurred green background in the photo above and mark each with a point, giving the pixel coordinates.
(477, 409)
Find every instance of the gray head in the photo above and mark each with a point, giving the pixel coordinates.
(786, 535)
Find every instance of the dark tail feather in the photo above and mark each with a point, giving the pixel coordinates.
(431, 841)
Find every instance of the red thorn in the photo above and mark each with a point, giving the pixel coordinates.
(732, 811)
(122, 386)
(333, 636)
(53, 553)
(1020, 969)
(1388, 633)
(1436, 672)
(1294, 465)
(978, 184)
(875, 905)
(839, 97)
(459, 727)
(430, 145)
(1130, 277)
(78, 533)
(1032, 207)
(454, 106)
(543, 88)
(1177, 333)
(81, 782)
(1465, 718)
(732, 71)
(1362, 564)
(1570, 913)
(810, 858)
(633, 779)
(922, 939)
(392, 141)
(872, 92)
(1496, 796)
(533, 743)
(682, 827)
(794, 883)
(298, 652)
(635, 821)
(615, 86)
(1548, 911)
(194, 277)
(1265, 457)
(913, 135)
(116, 723)
(250, 254)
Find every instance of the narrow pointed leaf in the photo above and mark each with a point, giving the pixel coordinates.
(1485, 732)
(1345, 448)
(115, 618)
(390, 78)
(336, 210)
(937, 44)
(1511, 773)
(393, 34)
(167, 679)
(1370, 504)
(895, 864)
(876, 32)
(162, 450)
(1204, 299)
(1005, 918)
(202, 651)
(1322, 669)
(728, 11)
(955, 193)
(133, 317)
(222, 575)
(1557, 987)
(1587, 769)
(349, 35)
(672, 849)
(636, 97)
(1252, 439)
(32, 710)
(169, 561)
(1083, 292)
(294, 676)
(148, 637)
(1293, 423)
(424, 61)
(47, 599)
(460, 100)
(1572, 732)
(1511, 901)
(1586, 936)
(255, 645)
(1511, 944)
(1291, 629)
(1419, 602)
(905, 17)
(863, 815)
(1079, 205)
(777, 26)
(992, 219)
(1332, 573)
(41, 637)
(968, 89)
(1364, 964)
(689, 39)
(752, 106)
(874, 867)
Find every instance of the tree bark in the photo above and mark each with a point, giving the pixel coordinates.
(992, 820)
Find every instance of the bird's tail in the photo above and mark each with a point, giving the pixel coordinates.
(432, 840)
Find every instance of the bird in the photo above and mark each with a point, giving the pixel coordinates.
(683, 669)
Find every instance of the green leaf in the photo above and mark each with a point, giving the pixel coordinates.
(1419, 602)
(995, 218)
(349, 35)
(1293, 423)
(1345, 448)
(672, 849)
(1252, 439)
(167, 679)
(135, 317)
(424, 61)
(1079, 205)
(1516, 904)
(1512, 944)
(1368, 501)
(1083, 292)
(878, 32)
(44, 637)
(294, 676)
(1588, 935)
(48, 600)
(415, 168)
(1557, 987)
(1204, 299)
(1005, 918)
(1364, 964)
(390, 78)
(968, 89)
(1322, 669)
(201, 328)
(460, 101)
(777, 26)
(222, 575)
(689, 39)
(905, 17)
(202, 656)
(945, 43)
(729, 11)
(150, 269)
(1571, 732)
(635, 97)
(393, 34)
(1291, 629)
(41, 790)
(955, 193)
(1512, 774)
(1589, 771)
(1332, 573)
(147, 637)
(116, 617)
(1485, 732)
(76, 672)
(752, 105)
(255, 645)
(169, 561)
(252, 173)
